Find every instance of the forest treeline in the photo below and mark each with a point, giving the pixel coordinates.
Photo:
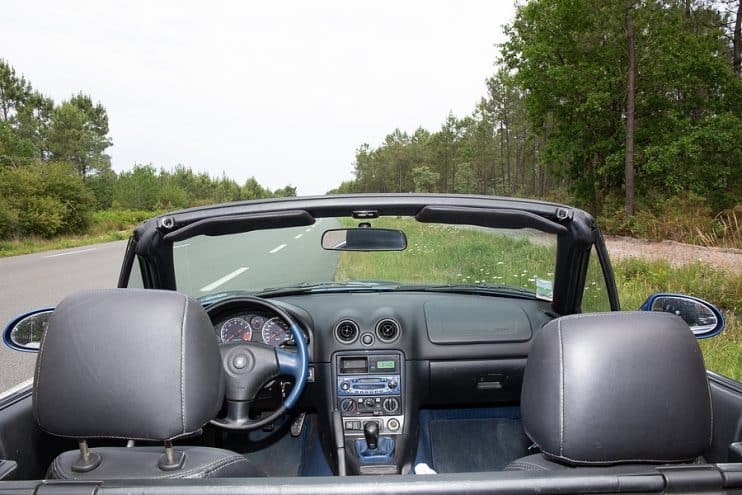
(553, 122)
(54, 169)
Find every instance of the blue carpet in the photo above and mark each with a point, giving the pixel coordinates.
(471, 440)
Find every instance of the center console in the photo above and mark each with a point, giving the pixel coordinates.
(369, 396)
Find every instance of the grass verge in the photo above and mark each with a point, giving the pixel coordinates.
(105, 226)
(448, 254)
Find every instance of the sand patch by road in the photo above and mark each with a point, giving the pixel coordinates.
(676, 253)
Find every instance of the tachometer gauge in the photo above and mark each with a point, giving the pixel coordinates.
(236, 329)
(276, 332)
(257, 322)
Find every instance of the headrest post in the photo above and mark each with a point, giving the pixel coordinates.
(84, 452)
(171, 460)
(88, 460)
(169, 453)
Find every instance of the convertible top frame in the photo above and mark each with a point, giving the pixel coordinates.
(575, 229)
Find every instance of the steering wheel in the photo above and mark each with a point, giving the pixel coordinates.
(249, 366)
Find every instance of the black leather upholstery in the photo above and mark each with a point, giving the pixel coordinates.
(141, 463)
(540, 463)
(132, 364)
(621, 387)
(128, 363)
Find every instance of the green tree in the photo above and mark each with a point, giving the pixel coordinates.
(425, 179)
(78, 134)
(24, 119)
(253, 190)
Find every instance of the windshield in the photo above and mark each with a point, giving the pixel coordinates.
(437, 256)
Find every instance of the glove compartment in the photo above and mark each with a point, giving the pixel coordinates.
(476, 382)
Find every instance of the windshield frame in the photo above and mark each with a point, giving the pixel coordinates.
(574, 241)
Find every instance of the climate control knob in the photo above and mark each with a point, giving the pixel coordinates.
(391, 404)
(347, 405)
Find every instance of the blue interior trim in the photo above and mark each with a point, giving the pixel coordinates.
(424, 447)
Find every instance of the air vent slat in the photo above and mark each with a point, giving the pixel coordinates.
(346, 331)
(387, 330)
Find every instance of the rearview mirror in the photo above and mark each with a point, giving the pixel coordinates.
(703, 318)
(364, 239)
(24, 332)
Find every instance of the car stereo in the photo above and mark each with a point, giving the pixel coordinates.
(368, 387)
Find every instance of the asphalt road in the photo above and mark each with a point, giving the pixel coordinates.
(42, 280)
(271, 258)
(254, 260)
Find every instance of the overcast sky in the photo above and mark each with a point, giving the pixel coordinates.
(282, 91)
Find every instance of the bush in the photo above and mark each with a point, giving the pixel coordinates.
(42, 216)
(43, 199)
(60, 181)
(8, 220)
(116, 220)
(680, 218)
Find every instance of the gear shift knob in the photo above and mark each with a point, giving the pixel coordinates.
(371, 432)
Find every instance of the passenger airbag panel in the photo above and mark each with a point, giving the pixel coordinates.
(468, 320)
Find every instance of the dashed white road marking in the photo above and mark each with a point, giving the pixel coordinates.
(298, 236)
(71, 252)
(226, 278)
(277, 249)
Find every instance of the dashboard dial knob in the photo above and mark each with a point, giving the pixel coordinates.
(347, 405)
(391, 404)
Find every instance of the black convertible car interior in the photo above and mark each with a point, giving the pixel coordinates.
(370, 344)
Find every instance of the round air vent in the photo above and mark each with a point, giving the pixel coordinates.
(346, 331)
(387, 330)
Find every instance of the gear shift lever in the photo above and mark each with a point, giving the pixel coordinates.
(371, 432)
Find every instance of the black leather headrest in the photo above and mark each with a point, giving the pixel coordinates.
(617, 387)
(127, 363)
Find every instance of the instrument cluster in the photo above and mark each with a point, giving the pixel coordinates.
(255, 327)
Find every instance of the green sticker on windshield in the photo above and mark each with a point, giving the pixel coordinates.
(544, 289)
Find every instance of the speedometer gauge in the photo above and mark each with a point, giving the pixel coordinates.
(276, 332)
(236, 329)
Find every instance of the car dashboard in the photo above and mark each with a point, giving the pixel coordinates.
(383, 356)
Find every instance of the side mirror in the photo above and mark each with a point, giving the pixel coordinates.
(703, 318)
(24, 332)
(364, 239)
